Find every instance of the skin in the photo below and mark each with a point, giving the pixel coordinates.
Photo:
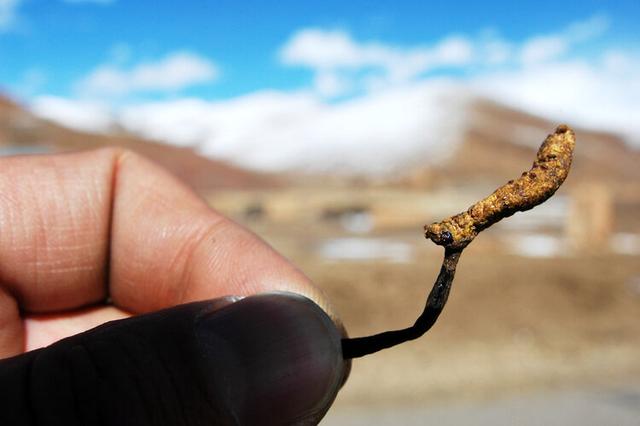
(78, 230)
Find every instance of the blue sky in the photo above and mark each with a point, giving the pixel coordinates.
(200, 72)
(48, 46)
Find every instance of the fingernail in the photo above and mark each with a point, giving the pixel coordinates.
(271, 359)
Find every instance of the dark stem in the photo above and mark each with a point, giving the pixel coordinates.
(361, 346)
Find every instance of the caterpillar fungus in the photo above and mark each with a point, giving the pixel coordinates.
(533, 187)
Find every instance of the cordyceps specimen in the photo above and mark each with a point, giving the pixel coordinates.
(549, 170)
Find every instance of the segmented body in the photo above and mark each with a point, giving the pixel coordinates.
(549, 170)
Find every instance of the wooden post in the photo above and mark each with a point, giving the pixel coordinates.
(590, 220)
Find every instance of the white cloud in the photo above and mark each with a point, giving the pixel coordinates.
(331, 49)
(492, 50)
(330, 83)
(390, 129)
(588, 29)
(8, 10)
(602, 94)
(321, 49)
(285, 131)
(345, 66)
(451, 51)
(544, 48)
(80, 115)
(333, 55)
(541, 49)
(381, 132)
(174, 72)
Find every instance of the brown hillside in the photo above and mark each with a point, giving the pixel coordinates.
(500, 143)
(21, 131)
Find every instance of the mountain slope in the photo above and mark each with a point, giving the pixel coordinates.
(22, 132)
(499, 143)
(442, 137)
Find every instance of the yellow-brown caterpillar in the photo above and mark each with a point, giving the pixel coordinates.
(549, 170)
(534, 187)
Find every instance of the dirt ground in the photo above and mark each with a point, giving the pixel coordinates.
(603, 405)
(512, 324)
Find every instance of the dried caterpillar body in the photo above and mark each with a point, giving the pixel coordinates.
(549, 170)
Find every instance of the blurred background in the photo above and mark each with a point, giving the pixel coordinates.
(335, 130)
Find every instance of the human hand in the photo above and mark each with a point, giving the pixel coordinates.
(78, 230)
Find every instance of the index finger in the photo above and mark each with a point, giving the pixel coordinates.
(78, 228)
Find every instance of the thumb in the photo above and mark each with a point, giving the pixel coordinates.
(268, 359)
